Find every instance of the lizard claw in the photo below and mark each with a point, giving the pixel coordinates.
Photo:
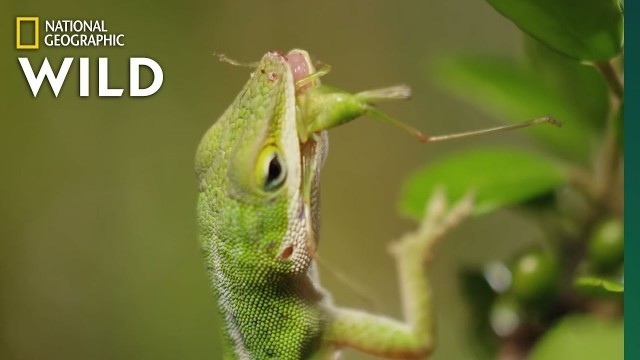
(439, 218)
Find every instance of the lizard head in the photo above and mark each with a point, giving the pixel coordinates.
(258, 176)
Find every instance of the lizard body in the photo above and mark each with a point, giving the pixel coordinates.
(258, 170)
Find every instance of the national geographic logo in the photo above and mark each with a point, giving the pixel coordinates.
(64, 33)
(30, 45)
(79, 33)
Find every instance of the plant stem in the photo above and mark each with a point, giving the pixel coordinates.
(610, 159)
(611, 77)
(583, 182)
(610, 156)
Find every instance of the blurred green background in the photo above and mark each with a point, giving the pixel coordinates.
(98, 249)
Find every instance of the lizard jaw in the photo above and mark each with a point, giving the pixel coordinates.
(308, 164)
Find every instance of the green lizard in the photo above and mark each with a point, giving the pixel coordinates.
(258, 173)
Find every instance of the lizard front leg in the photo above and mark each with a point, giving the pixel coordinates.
(413, 338)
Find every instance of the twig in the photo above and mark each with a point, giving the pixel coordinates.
(609, 162)
(583, 182)
(612, 78)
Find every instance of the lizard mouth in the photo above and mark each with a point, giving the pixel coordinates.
(309, 165)
(301, 67)
(310, 157)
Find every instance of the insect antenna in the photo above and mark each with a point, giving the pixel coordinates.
(224, 58)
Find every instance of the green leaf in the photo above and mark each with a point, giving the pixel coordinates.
(497, 176)
(513, 94)
(581, 337)
(598, 287)
(590, 30)
(580, 86)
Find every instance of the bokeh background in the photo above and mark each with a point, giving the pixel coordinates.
(98, 248)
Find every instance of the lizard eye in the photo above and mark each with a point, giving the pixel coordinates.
(271, 169)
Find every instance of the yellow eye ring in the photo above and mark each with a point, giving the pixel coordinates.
(271, 171)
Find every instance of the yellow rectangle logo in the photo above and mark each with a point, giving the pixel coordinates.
(36, 42)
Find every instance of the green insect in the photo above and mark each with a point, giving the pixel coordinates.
(258, 170)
